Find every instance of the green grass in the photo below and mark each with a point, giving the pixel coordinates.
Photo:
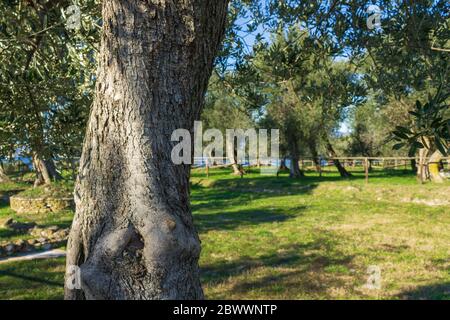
(38, 279)
(275, 238)
(62, 219)
(57, 189)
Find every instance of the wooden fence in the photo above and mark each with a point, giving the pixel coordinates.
(365, 162)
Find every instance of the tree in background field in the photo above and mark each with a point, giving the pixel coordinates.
(133, 235)
(46, 79)
(335, 89)
(284, 67)
(369, 133)
(430, 133)
(307, 93)
(405, 60)
(225, 110)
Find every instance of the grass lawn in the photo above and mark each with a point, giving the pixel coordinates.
(60, 219)
(275, 238)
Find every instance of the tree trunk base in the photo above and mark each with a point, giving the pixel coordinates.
(295, 171)
(133, 235)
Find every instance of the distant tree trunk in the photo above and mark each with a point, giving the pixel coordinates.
(433, 166)
(314, 154)
(45, 170)
(283, 164)
(370, 165)
(232, 150)
(133, 235)
(295, 171)
(414, 166)
(422, 173)
(3, 176)
(73, 168)
(237, 169)
(332, 154)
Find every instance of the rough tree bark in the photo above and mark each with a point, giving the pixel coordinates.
(133, 236)
(237, 169)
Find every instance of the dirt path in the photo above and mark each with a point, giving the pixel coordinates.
(55, 253)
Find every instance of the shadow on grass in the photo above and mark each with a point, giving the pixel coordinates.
(63, 224)
(23, 277)
(9, 233)
(230, 190)
(301, 268)
(38, 279)
(226, 193)
(232, 220)
(439, 291)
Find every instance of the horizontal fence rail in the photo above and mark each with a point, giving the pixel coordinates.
(322, 162)
(71, 165)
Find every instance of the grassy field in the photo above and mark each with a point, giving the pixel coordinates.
(275, 238)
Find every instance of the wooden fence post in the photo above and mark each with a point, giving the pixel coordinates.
(366, 169)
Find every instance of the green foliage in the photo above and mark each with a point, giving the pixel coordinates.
(46, 76)
(223, 108)
(430, 128)
(306, 90)
(368, 130)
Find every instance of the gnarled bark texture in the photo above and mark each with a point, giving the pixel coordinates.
(133, 235)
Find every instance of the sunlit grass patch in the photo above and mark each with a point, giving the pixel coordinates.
(265, 237)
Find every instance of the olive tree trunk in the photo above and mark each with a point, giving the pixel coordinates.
(314, 154)
(422, 172)
(433, 166)
(294, 169)
(332, 154)
(232, 157)
(133, 236)
(45, 170)
(3, 176)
